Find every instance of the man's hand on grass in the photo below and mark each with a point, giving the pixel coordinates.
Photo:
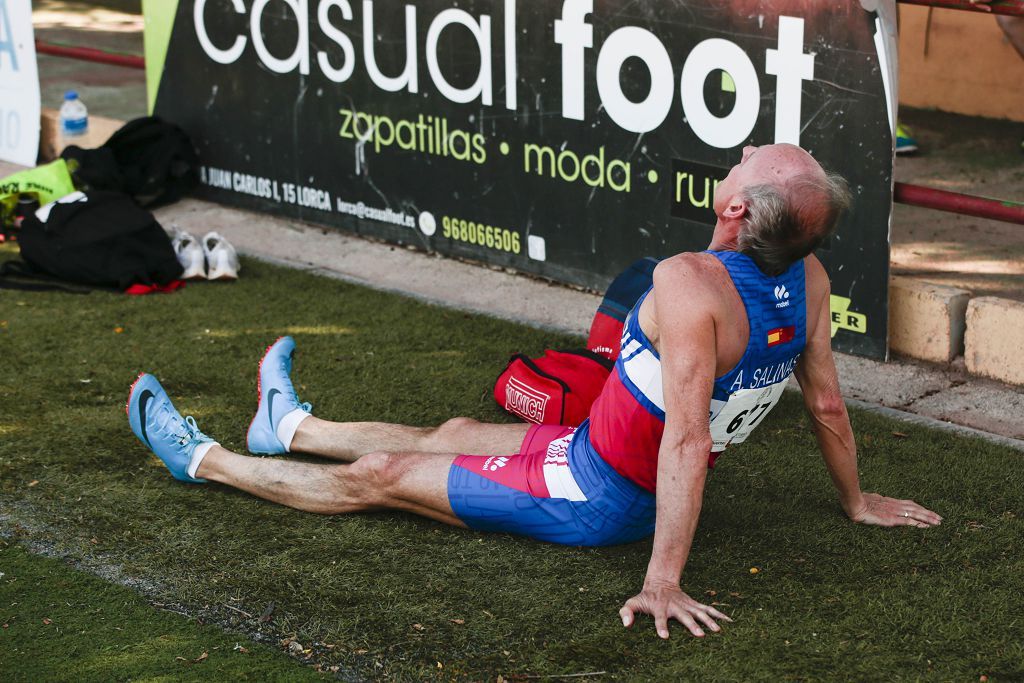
(667, 601)
(884, 511)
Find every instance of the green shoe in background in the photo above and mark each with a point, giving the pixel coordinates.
(905, 144)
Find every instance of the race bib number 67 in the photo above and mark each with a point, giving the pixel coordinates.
(735, 420)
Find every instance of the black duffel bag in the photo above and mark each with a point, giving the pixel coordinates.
(98, 239)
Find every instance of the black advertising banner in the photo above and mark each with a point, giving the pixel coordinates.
(565, 139)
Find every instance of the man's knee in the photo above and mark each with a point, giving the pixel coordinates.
(377, 474)
(449, 434)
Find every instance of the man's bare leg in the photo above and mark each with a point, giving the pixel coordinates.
(348, 441)
(413, 482)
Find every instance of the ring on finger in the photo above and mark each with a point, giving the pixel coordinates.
(906, 514)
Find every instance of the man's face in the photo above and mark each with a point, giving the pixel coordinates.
(765, 165)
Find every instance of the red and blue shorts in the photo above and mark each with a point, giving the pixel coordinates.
(556, 489)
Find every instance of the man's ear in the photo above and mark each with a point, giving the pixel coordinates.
(735, 209)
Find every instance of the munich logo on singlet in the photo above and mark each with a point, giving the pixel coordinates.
(525, 401)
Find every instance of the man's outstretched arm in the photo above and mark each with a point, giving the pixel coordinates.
(816, 373)
(687, 347)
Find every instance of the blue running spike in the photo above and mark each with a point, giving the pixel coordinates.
(161, 428)
(277, 398)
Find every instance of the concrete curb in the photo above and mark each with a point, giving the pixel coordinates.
(925, 421)
(937, 323)
(995, 339)
(425, 298)
(926, 321)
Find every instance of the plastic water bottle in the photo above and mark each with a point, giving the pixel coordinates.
(74, 117)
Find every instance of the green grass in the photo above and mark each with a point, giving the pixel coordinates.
(60, 624)
(391, 595)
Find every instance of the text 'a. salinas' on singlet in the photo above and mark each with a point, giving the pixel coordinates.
(628, 419)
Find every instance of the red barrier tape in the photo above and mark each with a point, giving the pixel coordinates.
(954, 202)
(89, 54)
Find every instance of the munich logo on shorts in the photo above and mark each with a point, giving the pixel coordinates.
(525, 401)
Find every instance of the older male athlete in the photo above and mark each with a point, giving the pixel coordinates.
(705, 355)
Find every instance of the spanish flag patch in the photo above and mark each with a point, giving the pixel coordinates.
(781, 335)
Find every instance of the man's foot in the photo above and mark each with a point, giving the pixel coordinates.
(280, 411)
(905, 143)
(174, 439)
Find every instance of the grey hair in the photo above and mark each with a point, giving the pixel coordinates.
(785, 224)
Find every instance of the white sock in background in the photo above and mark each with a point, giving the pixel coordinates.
(288, 425)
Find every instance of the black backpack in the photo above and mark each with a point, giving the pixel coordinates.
(147, 158)
(98, 239)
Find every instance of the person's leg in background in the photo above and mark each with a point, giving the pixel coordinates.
(1013, 27)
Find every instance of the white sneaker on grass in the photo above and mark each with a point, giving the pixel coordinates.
(221, 258)
(190, 255)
